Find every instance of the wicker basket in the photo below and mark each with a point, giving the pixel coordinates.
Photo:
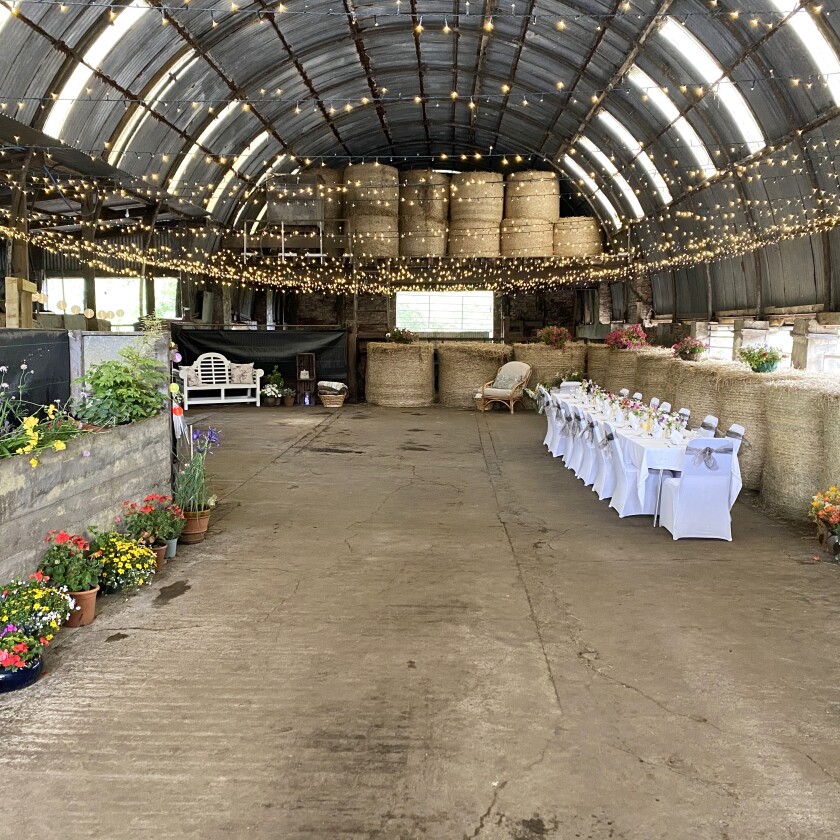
(332, 400)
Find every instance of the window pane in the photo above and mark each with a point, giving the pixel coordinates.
(446, 312)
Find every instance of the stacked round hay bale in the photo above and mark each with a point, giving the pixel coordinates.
(476, 206)
(794, 465)
(597, 361)
(672, 377)
(831, 436)
(548, 363)
(400, 374)
(332, 194)
(699, 388)
(371, 204)
(526, 238)
(463, 367)
(621, 370)
(424, 211)
(651, 372)
(577, 236)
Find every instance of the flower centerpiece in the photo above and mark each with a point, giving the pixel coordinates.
(761, 357)
(68, 562)
(689, 349)
(825, 511)
(554, 336)
(27, 428)
(126, 563)
(192, 492)
(20, 657)
(400, 336)
(35, 607)
(626, 338)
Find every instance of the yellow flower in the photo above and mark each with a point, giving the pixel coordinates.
(29, 422)
(51, 411)
(33, 462)
(58, 445)
(173, 388)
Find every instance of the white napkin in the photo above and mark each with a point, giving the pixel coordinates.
(634, 422)
(676, 437)
(656, 432)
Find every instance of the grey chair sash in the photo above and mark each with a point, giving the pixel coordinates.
(708, 426)
(605, 444)
(589, 431)
(707, 456)
(745, 444)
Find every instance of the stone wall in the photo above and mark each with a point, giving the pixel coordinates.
(71, 490)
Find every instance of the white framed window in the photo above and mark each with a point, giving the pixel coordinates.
(458, 312)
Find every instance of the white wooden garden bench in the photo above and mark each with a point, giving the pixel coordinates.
(210, 379)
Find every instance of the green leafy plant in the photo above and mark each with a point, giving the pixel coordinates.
(287, 392)
(152, 519)
(68, 562)
(119, 392)
(761, 357)
(192, 493)
(400, 336)
(275, 378)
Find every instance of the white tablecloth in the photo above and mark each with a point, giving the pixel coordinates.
(647, 453)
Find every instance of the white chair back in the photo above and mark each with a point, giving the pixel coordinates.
(685, 412)
(735, 433)
(708, 427)
(665, 407)
(624, 392)
(543, 398)
(654, 403)
(637, 396)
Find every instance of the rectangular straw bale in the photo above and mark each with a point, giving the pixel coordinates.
(742, 400)
(650, 372)
(464, 366)
(621, 372)
(699, 388)
(597, 360)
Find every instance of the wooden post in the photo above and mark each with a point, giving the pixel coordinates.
(148, 280)
(709, 301)
(352, 352)
(19, 302)
(90, 212)
(18, 265)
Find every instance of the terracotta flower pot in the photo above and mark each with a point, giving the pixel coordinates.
(195, 527)
(85, 608)
(287, 401)
(13, 680)
(269, 401)
(160, 552)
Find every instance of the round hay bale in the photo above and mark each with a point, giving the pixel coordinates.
(698, 388)
(424, 197)
(400, 374)
(477, 197)
(532, 194)
(525, 238)
(597, 360)
(371, 189)
(651, 372)
(375, 237)
(673, 370)
(831, 437)
(473, 239)
(463, 367)
(548, 364)
(621, 370)
(333, 196)
(577, 236)
(422, 241)
(795, 455)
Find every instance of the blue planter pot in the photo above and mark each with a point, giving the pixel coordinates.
(766, 367)
(13, 680)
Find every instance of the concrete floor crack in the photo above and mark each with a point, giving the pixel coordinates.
(483, 818)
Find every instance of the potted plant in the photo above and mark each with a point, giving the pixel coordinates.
(68, 562)
(21, 657)
(288, 395)
(126, 563)
(689, 349)
(147, 521)
(271, 394)
(627, 338)
(171, 528)
(825, 511)
(119, 392)
(35, 607)
(192, 493)
(761, 357)
(556, 337)
(400, 336)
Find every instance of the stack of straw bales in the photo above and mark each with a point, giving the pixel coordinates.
(597, 360)
(372, 201)
(651, 371)
(547, 363)
(577, 236)
(463, 367)
(532, 206)
(476, 205)
(698, 388)
(424, 211)
(333, 196)
(621, 370)
(400, 374)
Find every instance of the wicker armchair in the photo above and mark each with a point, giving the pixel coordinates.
(507, 388)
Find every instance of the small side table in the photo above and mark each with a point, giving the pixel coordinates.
(306, 362)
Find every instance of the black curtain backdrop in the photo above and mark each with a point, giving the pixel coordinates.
(46, 354)
(266, 348)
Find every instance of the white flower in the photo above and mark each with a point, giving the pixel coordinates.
(3, 368)
(23, 366)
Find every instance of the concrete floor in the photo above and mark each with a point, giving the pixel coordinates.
(416, 624)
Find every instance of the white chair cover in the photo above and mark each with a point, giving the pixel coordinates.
(736, 434)
(588, 463)
(625, 498)
(697, 503)
(575, 457)
(654, 403)
(561, 444)
(665, 408)
(708, 427)
(624, 392)
(604, 483)
(637, 396)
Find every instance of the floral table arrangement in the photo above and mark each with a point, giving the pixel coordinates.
(69, 563)
(192, 491)
(689, 349)
(825, 511)
(761, 357)
(627, 338)
(126, 563)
